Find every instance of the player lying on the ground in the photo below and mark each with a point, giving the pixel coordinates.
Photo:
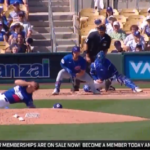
(74, 66)
(104, 73)
(21, 93)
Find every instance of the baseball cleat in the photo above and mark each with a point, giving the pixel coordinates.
(55, 92)
(96, 92)
(137, 90)
(111, 88)
(107, 84)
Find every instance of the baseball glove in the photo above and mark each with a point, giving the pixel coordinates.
(107, 84)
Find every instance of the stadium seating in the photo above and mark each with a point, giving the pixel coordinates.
(3, 47)
(126, 18)
(143, 12)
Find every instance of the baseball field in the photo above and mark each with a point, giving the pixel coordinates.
(115, 115)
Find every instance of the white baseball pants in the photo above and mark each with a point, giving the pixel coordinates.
(3, 101)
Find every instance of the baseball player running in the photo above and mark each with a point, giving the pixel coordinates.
(21, 93)
(102, 69)
(73, 66)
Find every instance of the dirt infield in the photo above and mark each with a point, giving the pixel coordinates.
(62, 116)
(66, 116)
(67, 94)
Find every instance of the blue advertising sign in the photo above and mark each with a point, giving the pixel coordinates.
(26, 70)
(137, 67)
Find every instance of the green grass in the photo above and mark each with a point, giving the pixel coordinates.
(128, 107)
(112, 131)
(66, 86)
(106, 131)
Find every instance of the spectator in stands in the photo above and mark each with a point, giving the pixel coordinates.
(109, 12)
(138, 48)
(148, 12)
(131, 45)
(26, 25)
(99, 4)
(146, 29)
(118, 47)
(3, 36)
(14, 15)
(11, 2)
(14, 49)
(130, 37)
(3, 19)
(145, 22)
(97, 22)
(118, 33)
(22, 48)
(16, 28)
(109, 25)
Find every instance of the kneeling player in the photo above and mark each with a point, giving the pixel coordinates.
(73, 66)
(102, 71)
(21, 93)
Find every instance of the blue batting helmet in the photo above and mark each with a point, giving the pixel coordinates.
(86, 88)
(100, 56)
(57, 106)
(76, 49)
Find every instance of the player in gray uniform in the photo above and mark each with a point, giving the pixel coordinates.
(73, 66)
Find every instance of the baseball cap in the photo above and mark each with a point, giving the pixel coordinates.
(102, 28)
(109, 9)
(116, 23)
(75, 49)
(117, 43)
(137, 34)
(97, 21)
(147, 18)
(16, 3)
(57, 105)
(148, 10)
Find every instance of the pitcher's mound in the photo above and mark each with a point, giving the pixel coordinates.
(62, 116)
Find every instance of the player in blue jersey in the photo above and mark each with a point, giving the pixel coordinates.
(21, 93)
(73, 66)
(102, 69)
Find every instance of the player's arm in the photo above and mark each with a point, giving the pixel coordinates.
(112, 68)
(108, 42)
(30, 104)
(93, 72)
(83, 68)
(22, 83)
(86, 46)
(63, 65)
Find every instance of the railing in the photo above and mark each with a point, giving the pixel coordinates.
(51, 24)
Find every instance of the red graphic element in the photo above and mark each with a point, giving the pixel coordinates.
(16, 98)
(77, 68)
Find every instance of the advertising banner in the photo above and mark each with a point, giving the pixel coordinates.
(137, 67)
(40, 67)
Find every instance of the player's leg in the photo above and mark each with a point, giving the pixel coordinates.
(3, 101)
(127, 82)
(63, 74)
(89, 81)
(98, 86)
(77, 85)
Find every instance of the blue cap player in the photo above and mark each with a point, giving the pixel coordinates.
(102, 69)
(21, 93)
(73, 66)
